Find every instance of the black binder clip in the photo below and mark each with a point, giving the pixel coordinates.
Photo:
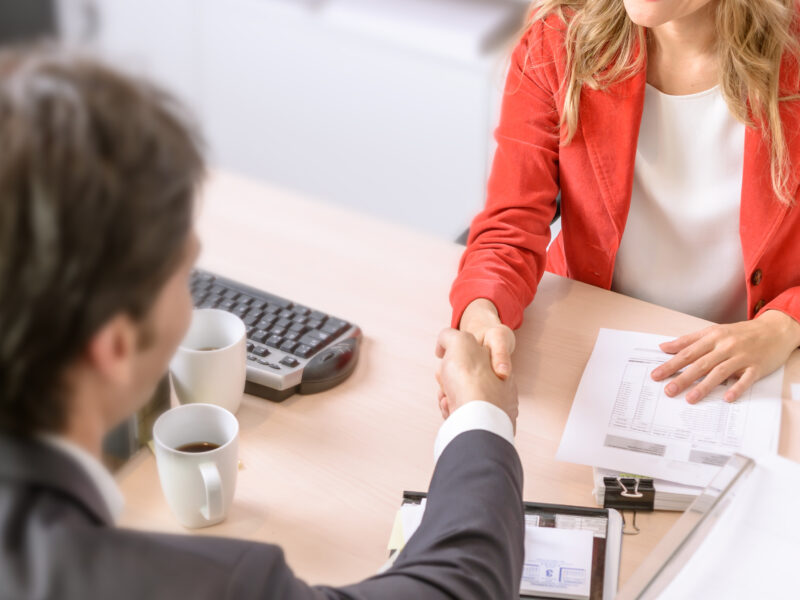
(629, 493)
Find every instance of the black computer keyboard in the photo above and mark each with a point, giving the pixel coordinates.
(290, 348)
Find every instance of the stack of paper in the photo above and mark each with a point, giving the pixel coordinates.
(622, 421)
(669, 495)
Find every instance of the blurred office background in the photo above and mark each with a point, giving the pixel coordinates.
(384, 106)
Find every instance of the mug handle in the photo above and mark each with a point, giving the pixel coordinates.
(212, 511)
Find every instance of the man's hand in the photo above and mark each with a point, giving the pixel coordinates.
(748, 350)
(465, 375)
(480, 318)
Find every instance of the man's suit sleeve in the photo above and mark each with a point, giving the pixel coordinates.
(468, 546)
(470, 542)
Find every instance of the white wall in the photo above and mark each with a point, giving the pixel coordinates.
(386, 106)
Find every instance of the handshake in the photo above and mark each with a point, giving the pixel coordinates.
(466, 375)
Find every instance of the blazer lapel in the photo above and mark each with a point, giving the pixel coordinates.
(610, 120)
(761, 212)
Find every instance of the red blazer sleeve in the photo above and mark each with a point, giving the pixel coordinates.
(505, 255)
(788, 301)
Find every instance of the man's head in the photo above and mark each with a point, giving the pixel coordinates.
(98, 174)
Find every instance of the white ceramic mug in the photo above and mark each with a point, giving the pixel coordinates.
(214, 376)
(198, 486)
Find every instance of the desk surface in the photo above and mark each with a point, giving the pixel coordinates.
(323, 475)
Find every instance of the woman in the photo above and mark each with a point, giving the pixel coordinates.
(671, 129)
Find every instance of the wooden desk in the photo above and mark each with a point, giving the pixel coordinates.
(323, 475)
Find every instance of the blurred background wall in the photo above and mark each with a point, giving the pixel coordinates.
(385, 106)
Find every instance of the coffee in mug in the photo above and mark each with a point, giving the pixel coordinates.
(198, 447)
(197, 455)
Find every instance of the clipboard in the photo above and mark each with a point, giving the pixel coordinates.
(607, 543)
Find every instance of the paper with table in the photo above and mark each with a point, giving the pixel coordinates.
(621, 419)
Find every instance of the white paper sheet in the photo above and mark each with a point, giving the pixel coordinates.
(621, 419)
(754, 548)
(558, 562)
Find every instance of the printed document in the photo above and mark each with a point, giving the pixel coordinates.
(621, 419)
(558, 562)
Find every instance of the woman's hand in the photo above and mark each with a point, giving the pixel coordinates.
(480, 318)
(748, 350)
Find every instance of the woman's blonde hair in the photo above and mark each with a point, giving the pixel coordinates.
(753, 37)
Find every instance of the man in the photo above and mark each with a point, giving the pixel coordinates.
(97, 178)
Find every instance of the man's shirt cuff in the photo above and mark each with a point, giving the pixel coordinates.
(473, 415)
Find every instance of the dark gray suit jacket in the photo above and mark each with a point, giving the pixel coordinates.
(57, 541)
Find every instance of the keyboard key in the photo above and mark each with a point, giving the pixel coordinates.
(275, 330)
(231, 294)
(240, 311)
(286, 314)
(299, 319)
(253, 313)
(269, 363)
(266, 322)
(283, 322)
(316, 314)
(301, 311)
(281, 302)
(213, 299)
(289, 361)
(319, 334)
(252, 357)
(303, 351)
(258, 304)
(218, 289)
(227, 304)
(250, 320)
(272, 309)
(333, 329)
(244, 299)
(261, 351)
(291, 335)
(288, 346)
(298, 327)
(314, 323)
(309, 340)
(260, 335)
(274, 341)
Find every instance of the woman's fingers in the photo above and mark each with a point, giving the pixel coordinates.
(678, 344)
(697, 369)
(684, 357)
(500, 341)
(716, 376)
(748, 378)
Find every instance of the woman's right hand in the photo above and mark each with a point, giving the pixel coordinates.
(480, 318)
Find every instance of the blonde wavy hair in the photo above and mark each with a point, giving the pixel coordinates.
(753, 38)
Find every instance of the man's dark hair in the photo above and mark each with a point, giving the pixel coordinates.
(98, 173)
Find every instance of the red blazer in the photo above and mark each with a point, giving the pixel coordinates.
(507, 248)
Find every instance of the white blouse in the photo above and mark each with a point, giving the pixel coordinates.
(681, 247)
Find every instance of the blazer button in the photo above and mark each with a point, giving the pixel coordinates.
(759, 305)
(757, 276)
